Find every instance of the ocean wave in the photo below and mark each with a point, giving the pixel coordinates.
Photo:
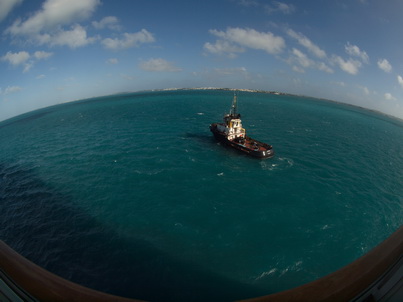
(90, 187)
(277, 164)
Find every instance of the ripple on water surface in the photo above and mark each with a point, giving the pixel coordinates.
(131, 194)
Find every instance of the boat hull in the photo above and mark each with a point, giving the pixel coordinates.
(251, 146)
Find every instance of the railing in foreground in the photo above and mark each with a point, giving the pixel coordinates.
(376, 276)
(32, 283)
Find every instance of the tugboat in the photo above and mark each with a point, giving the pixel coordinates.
(232, 134)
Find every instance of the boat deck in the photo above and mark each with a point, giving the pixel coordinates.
(254, 145)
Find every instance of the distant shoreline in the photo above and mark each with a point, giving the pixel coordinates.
(275, 93)
(247, 90)
(219, 89)
(224, 89)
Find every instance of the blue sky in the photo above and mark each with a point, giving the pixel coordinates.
(54, 51)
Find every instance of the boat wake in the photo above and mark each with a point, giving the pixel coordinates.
(149, 172)
(281, 163)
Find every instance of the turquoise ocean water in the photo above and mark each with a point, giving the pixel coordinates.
(130, 194)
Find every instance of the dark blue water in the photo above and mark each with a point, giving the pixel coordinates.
(131, 194)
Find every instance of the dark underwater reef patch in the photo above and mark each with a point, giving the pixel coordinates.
(48, 229)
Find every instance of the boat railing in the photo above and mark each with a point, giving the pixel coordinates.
(22, 280)
(376, 276)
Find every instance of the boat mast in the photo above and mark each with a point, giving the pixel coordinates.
(233, 107)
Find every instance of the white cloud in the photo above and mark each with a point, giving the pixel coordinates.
(129, 40)
(400, 80)
(223, 47)
(110, 22)
(298, 69)
(76, 37)
(46, 25)
(389, 97)
(127, 77)
(341, 84)
(11, 89)
(16, 58)
(112, 61)
(231, 71)
(300, 58)
(280, 7)
(6, 6)
(354, 50)
(323, 67)
(304, 41)
(54, 13)
(28, 66)
(351, 66)
(41, 76)
(384, 65)
(365, 90)
(25, 59)
(42, 55)
(159, 65)
(251, 38)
